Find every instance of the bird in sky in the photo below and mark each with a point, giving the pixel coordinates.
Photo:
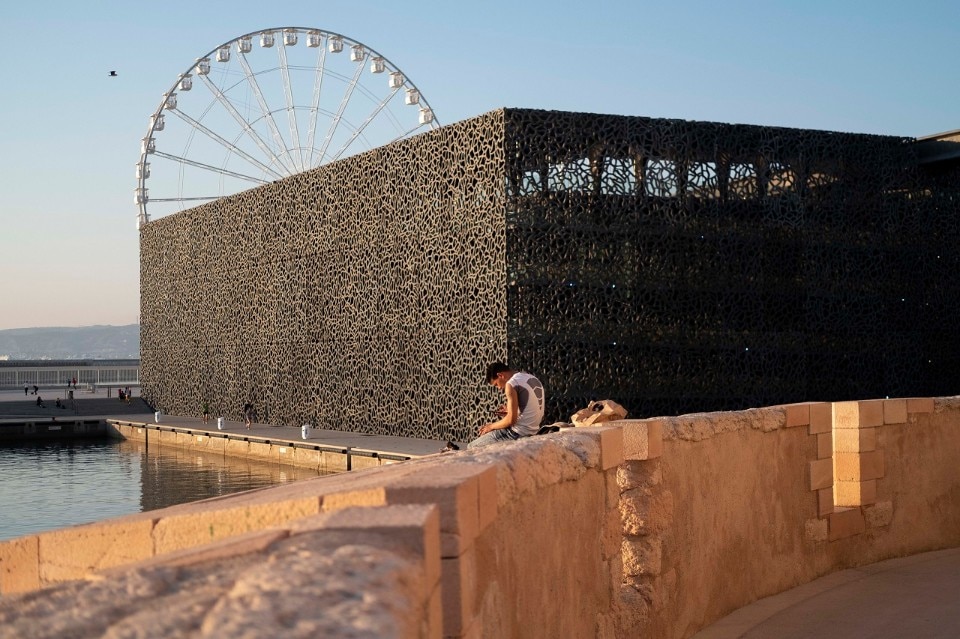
(113, 74)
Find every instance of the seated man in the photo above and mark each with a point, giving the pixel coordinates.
(523, 412)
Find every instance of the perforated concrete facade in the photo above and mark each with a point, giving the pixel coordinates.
(673, 266)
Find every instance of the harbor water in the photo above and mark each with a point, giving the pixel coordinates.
(48, 485)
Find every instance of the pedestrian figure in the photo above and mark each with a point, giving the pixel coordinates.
(26, 390)
(206, 412)
(248, 413)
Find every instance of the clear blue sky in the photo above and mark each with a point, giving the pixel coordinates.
(69, 135)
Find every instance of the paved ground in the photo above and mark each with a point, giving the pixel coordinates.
(15, 405)
(905, 598)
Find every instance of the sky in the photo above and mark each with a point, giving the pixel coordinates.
(70, 135)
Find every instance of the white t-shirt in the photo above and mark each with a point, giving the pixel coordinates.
(531, 400)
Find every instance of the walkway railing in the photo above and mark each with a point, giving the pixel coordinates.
(85, 372)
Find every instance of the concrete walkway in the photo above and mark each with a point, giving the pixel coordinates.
(14, 408)
(386, 444)
(916, 596)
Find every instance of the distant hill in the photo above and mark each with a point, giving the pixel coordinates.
(83, 342)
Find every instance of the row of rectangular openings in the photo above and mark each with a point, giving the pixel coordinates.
(666, 178)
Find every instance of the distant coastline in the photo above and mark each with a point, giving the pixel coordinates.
(69, 343)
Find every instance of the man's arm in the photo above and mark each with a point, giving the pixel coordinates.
(512, 412)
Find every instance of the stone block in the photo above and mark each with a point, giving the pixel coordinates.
(19, 565)
(415, 526)
(821, 418)
(824, 501)
(611, 446)
(920, 405)
(871, 413)
(307, 457)
(797, 415)
(455, 489)
(855, 441)
(375, 496)
(821, 474)
(72, 553)
(816, 529)
(249, 543)
(361, 462)
(180, 531)
(216, 444)
(878, 514)
(642, 556)
(333, 462)
(847, 466)
(895, 411)
(855, 493)
(859, 466)
(824, 445)
(642, 438)
(262, 450)
(846, 415)
(236, 447)
(459, 577)
(845, 522)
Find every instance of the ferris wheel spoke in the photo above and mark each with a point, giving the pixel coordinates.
(244, 125)
(226, 143)
(288, 94)
(409, 132)
(315, 104)
(209, 167)
(185, 199)
(233, 138)
(343, 105)
(268, 115)
(359, 130)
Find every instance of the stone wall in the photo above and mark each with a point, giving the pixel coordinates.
(747, 504)
(674, 266)
(450, 545)
(653, 527)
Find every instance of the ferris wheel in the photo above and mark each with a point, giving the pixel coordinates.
(243, 115)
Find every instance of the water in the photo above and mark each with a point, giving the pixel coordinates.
(55, 484)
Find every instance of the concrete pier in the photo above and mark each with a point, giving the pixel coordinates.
(326, 450)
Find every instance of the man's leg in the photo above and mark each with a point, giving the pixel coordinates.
(494, 436)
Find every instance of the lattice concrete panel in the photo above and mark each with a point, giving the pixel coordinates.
(366, 295)
(674, 266)
(680, 266)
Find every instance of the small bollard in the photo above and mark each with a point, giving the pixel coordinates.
(156, 417)
(219, 423)
(305, 431)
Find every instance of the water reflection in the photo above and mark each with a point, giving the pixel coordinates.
(55, 484)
